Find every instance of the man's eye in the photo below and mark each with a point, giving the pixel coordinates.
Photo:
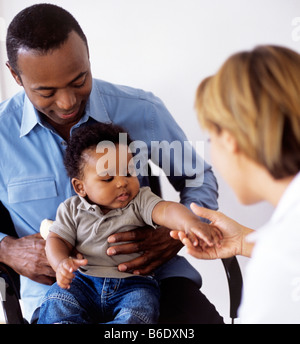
(80, 84)
(47, 95)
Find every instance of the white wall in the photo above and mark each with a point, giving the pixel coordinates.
(167, 47)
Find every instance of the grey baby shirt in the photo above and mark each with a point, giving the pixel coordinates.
(85, 227)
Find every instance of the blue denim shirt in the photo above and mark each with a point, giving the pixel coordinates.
(33, 181)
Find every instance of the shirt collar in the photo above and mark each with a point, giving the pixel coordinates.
(289, 199)
(95, 109)
(30, 117)
(95, 209)
(85, 205)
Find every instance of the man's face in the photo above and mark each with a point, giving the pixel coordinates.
(58, 83)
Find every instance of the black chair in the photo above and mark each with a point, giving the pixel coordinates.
(10, 296)
(9, 280)
(235, 285)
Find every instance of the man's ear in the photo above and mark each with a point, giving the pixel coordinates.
(15, 75)
(78, 187)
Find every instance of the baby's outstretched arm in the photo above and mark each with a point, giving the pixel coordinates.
(58, 252)
(177, 217)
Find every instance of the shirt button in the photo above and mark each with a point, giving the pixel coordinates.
(91, 209)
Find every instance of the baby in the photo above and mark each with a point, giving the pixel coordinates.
(90, 288)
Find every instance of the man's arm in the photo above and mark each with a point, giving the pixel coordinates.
(24, 255)
(27, 257)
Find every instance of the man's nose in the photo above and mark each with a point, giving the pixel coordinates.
(66, 100)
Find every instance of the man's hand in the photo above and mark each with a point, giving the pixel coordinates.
(27, 257)
(156, 245)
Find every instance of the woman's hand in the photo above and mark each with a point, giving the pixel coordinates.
(232, 244)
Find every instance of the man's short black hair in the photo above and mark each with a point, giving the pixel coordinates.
(85, 138)
(41, 27)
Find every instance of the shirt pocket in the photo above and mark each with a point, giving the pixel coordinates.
(31, 190)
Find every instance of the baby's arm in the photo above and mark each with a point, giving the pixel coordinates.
(177, 217)
(58, 252)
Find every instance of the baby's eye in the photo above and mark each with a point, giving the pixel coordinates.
(108, 179)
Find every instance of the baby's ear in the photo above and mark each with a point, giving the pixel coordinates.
(78, 187)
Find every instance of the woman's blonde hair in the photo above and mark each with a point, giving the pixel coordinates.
(256, 97)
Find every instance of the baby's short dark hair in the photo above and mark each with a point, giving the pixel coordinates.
(88, 137)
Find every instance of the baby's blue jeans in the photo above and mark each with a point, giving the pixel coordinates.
(90, 300)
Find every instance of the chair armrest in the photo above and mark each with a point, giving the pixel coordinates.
(10, 297)
(235, 284)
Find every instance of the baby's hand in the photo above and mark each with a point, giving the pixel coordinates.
(208, 235)
(65, 269)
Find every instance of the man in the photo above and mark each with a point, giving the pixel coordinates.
(48, 56)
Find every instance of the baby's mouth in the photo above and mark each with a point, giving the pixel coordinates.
(123, 197)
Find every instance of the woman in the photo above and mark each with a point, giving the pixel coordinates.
(251, 109)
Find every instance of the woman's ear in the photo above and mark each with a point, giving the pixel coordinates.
(78, 187)
(229, 141)
(15, 75)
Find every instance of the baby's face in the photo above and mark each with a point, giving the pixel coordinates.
(108, 178)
